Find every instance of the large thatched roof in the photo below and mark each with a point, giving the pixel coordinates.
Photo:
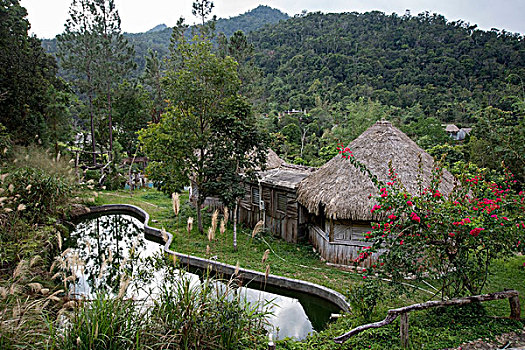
(343, 190)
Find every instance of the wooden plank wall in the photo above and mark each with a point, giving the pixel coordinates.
(289, 225)
(337, 252)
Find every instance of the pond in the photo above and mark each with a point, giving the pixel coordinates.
(106, 247)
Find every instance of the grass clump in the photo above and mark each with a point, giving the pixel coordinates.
(207, 315)
(103, 323)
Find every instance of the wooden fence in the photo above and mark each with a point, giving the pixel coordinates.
(402, 312)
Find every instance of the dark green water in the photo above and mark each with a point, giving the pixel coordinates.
(107, 247)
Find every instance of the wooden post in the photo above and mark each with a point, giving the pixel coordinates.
(515, 310)
(403, 329)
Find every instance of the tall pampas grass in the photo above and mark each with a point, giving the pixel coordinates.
(214, 220)
(258, 228)
(20, 270)
(211, 234)
(265, 255)
(164, 235)
(175, 202)
(190, 225)
(226, 215)
(123, 287)
(222, 227)
(237, 268)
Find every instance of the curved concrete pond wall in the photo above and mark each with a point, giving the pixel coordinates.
(224, 269)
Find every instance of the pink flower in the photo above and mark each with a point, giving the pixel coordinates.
(392, 217)
(409, 203)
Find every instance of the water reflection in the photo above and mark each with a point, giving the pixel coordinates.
(105, 251)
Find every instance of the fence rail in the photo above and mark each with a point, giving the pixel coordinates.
(403, 312)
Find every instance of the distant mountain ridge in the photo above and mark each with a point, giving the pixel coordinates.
(158, 38)
(157, 28)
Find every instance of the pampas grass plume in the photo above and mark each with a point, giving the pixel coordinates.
(164, 235)
(211, 234)
(175, 201)
(190, 224)
(265, 255)
(226, 215)
(258, 228)
(123, 287)
(222, 227)
(214, 219)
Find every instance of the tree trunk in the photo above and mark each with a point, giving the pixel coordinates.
(235, 225)
(91, 117)
(110, 120)
(199, 215)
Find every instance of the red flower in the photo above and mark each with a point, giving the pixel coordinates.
(392, 217)
(409, 203)
(376, 207)
(475, 232)
(415, 218)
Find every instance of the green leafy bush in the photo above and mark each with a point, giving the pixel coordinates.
(37, 194)
(363, 298)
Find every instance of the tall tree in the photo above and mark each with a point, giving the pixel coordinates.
(78, 50)
(115, 61)
(152, 77)
(95, 51)
(208, 131)
(26, 75)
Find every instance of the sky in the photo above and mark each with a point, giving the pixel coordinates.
(47, 17)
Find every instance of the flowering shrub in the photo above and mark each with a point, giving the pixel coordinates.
(449, 239)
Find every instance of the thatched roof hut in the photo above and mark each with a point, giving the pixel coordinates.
(451, 128)
(340, 191)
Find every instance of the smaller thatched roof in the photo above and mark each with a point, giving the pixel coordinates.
(272, 160)
(343, 190)
(278, 173)
(451, 128)
(283, 178)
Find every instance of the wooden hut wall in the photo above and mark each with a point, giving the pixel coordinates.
(283, 217)
(340, 251)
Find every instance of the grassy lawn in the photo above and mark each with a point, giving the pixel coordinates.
(432, 329)
(291, 260)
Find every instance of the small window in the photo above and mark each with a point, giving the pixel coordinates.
(282, 202)
(256, 198)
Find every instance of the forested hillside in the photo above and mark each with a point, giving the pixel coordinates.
(450, 69)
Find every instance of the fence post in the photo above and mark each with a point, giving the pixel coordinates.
(515, 310)
(403, 329)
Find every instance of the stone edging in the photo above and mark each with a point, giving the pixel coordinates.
(225, 269)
